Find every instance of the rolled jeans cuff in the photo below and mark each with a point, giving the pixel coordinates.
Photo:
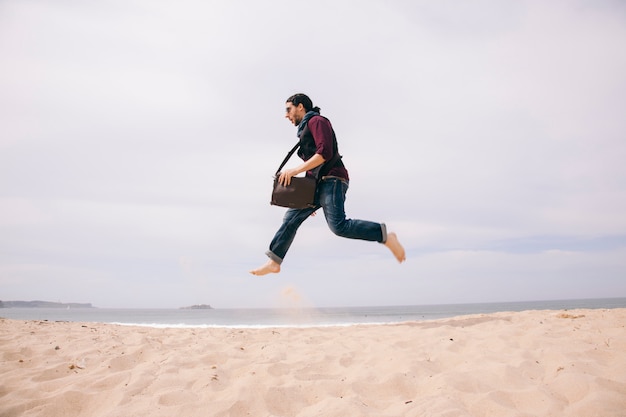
(273, 257)
(383, 229)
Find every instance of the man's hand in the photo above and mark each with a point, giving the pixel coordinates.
(285, 176)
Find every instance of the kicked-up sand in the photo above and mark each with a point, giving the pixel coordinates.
(531, 364)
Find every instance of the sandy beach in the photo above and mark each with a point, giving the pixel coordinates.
(533, 363)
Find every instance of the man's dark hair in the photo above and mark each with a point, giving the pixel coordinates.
(304, 100)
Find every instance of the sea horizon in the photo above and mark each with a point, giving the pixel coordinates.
(307, 316)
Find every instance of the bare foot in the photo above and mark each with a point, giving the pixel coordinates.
(270, 267)
(395, 247)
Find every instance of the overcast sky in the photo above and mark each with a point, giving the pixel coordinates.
(138, 140)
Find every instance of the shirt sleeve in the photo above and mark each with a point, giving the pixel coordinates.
(322, 132)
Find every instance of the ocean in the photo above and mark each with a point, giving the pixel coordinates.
(304, 317)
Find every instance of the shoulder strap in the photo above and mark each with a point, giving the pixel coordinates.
(287, 157)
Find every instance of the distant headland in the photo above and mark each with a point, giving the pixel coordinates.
(42, 304)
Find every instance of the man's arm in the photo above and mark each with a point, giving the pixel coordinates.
(313, 162)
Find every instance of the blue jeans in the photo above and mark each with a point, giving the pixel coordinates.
(331, 196)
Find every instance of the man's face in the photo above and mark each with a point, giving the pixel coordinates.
(295, 114)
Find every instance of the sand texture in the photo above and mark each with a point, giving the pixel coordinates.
(534, 363)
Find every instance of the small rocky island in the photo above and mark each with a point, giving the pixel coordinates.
(198, 307)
